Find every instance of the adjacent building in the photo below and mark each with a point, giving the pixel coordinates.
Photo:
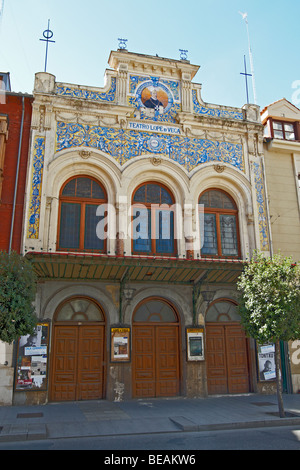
(15, 127)
(282, 171)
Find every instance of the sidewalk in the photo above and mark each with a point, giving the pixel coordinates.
(103, 418)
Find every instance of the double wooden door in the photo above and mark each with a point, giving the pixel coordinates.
(227, 358)
(155, 358)
(77, 362)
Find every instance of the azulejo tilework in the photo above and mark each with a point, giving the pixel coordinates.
(154, 98)
(81, 93)
(36, 187)
(214, 112)
(261, 206)
(125, 144)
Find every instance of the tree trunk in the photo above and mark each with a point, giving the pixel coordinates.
(278, 380)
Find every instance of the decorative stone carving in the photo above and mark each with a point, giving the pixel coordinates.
(85, 154)
(219, 168)
(156, 161)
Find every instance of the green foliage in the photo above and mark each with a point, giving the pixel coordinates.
(270, 299)
(17, 294)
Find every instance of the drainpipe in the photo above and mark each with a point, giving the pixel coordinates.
(17, 178)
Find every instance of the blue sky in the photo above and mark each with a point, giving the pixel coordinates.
(212, 31)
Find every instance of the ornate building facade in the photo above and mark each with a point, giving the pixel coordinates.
(142, 202)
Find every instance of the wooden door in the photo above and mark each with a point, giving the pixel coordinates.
(227, 359)
(237, 359)
(155, 361)
(77, 362)
(90, 362)
(167, 364)
(216, 359)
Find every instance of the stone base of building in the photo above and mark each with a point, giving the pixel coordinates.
(6, 385)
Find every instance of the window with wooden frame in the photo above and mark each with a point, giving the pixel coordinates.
(283, 130)
(220, 221)
(153, 220)
(79, 200)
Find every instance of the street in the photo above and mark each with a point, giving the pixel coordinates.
(272, 438)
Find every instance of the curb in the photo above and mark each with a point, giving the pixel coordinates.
(30, 432)
(33, 432)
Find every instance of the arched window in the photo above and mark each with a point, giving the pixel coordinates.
(153, 220)
(78, 219)
(222, 310)
(221, 237)
(79, 309)
(155, 310)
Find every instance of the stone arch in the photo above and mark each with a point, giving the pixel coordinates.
(70, 164)
(178, 300)
(173, 177)
(238, 187)
(66, 292)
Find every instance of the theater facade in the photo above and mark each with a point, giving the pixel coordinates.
(142, 203)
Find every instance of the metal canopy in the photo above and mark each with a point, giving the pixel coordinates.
(75, 266)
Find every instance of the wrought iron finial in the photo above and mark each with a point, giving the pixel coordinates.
(48, 34)
(183, 54)
(122, 43)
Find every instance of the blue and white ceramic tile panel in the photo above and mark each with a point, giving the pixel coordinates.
(261, 206)
(124, 145)
(36, 187)
(83, 93)
(215, 112)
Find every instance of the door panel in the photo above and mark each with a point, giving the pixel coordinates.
(64, 363)
(216, 360)
(78, 358)
(238, 373)
(90, 362)
(167, 383)
(144, 361)
(155, 361)
(227, 359)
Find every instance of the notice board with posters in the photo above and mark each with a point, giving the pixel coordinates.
(32, 360)
(195, 344)
(266, 362)
(120, 345)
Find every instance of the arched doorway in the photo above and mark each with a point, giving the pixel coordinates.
(155, 349)
(77, 371)
(226, 350)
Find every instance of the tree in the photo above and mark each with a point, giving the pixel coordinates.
(270, 304)
(17, 294)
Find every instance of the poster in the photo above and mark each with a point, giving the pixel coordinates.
(266, 362)
(120, 344)
(195, 345)
(32, 360)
